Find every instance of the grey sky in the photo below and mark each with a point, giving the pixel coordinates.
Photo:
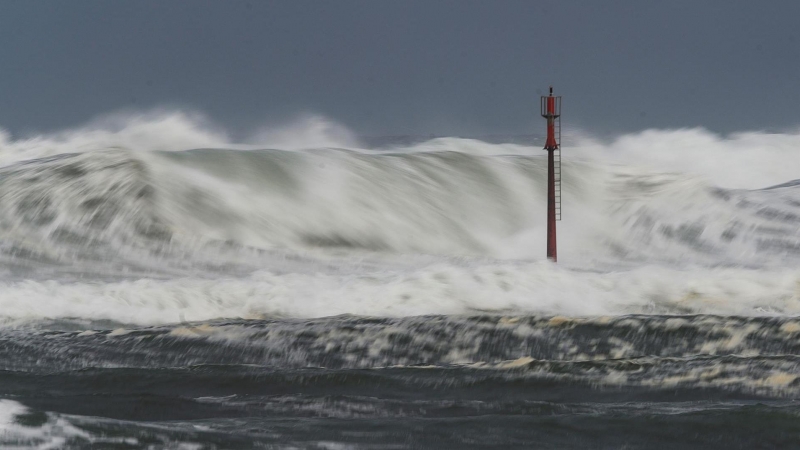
(380, 67)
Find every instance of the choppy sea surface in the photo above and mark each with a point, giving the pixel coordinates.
(168, 289)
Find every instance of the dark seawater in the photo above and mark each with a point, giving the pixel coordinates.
(422, 382)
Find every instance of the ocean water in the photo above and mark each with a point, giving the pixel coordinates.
(163, 285)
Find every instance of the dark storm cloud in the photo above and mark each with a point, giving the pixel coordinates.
(405, 67)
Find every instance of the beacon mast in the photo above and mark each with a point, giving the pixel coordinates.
(551, 110)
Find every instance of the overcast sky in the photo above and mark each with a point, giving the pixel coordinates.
(420, 67)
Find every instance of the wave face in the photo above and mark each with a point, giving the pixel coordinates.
(67, 207)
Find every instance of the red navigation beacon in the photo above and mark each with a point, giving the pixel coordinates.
(551, 110)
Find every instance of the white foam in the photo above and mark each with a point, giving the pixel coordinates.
(303, 132)
(744, 160)
(53, 434)
(159, 130)
(171, 130)
(531, 288)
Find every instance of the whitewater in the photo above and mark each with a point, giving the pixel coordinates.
(151, 219)
(299, 272)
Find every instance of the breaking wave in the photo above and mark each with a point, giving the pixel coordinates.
(445, 226)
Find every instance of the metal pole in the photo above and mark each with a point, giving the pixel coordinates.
(550, 113)
(552, 253)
